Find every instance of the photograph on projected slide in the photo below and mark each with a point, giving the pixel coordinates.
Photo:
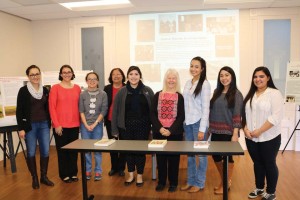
(145, 30)
(220, 25)
(167, 23)
(190, 23)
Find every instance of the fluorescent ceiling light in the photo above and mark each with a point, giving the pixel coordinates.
(235, 1)
(95, 5)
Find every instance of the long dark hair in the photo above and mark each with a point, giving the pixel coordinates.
(253, 89)
(202, 75)
(121, 72)
(230, 95)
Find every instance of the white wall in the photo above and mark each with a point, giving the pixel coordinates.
(16, 45)
(50, 44)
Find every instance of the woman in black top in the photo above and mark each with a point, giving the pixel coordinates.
(34, 123)
(116, 80)
(167, 116)
(131, 119)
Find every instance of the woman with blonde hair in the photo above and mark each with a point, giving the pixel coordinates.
(167, 116)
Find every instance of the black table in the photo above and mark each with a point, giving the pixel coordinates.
(173, 147)
(7, 132)
(7, 127)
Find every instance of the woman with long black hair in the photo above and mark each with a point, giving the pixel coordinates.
(263, 106)
(225, 118)
(196, 95)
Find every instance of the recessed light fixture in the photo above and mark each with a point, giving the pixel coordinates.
(95, 5)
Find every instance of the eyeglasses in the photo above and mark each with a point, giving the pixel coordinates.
(92, 79)
(34, 75)
(67, 73)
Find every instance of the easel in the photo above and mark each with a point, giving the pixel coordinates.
(295, 129)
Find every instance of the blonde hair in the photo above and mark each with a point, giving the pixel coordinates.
(172, 72)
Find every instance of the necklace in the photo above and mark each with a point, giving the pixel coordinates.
(93, 98)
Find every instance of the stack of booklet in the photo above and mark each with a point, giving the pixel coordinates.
(157, 143)
(104, 142)
(201, 144)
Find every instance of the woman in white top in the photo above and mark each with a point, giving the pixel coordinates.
(196, 95)
(263, 108)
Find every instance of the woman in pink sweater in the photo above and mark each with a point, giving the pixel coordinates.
(63, 106)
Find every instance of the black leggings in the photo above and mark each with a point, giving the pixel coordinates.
(221, 137)
(264, 154)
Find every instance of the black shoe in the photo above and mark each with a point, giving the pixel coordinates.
(35, 182)
(172, 189)
(44, 180)
(67, 180)
(111, 172)
(159, 188)
(74, 178)
(129, 183)
(121, 173)
(140, 184)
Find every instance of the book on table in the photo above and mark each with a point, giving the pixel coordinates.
(201, 144)
(104, 142)
(157, 143)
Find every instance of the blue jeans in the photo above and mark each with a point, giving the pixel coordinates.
(196, 175)
(97, 133)
(40, 132)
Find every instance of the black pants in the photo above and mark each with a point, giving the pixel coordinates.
(263, 154)
(117, 159)
(136, 129)
(221, 137)
(168, 165)
(67, 160)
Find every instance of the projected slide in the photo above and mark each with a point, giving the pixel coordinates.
(170, 40)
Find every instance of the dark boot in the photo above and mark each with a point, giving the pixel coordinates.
(44, 168)
(32, 168)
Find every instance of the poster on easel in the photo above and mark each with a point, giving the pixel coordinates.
(9, 88)
(292, 90)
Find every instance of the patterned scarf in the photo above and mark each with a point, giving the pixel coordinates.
(35, 94)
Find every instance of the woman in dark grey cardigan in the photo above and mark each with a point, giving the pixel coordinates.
(131, 119)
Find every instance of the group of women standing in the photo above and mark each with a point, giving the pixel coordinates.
(130, 109)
